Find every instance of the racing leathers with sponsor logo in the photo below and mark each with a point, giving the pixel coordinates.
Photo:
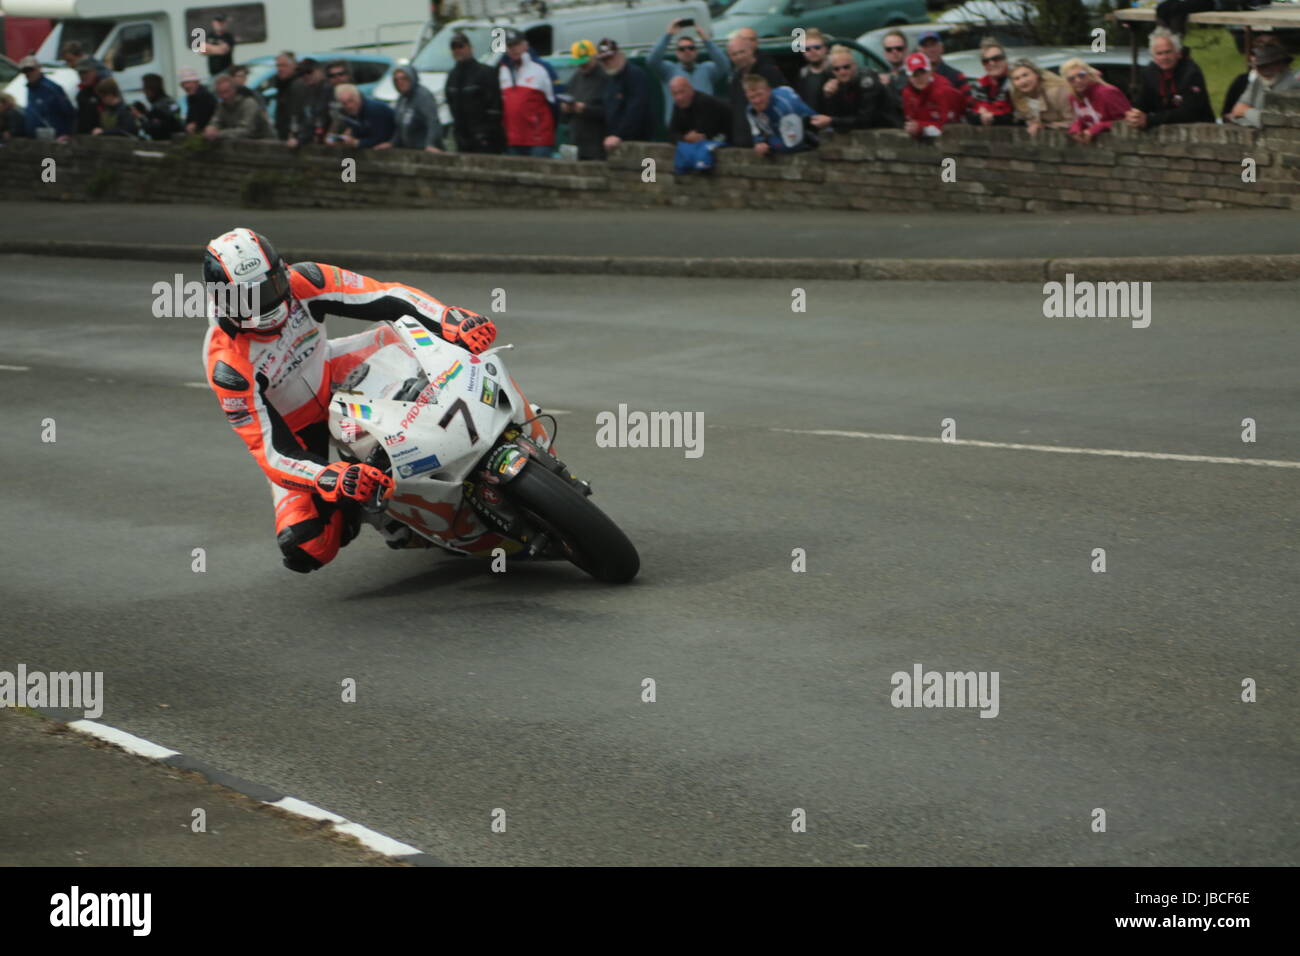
(273, 371)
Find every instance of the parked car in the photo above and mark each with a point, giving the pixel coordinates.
(979, 11)
(776, 18)
(957, 37)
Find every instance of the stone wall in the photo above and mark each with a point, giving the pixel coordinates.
(1175, 168)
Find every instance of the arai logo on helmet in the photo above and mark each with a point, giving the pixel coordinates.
(248, 267)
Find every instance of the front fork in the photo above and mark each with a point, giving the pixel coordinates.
(507, 459)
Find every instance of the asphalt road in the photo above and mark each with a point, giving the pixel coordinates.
(523, 691)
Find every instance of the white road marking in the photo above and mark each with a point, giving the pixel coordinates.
(305, 809)
(196, 384)
(16, 368)
(1058, 449)
(376, 841)
(138, 745)
(120, 738)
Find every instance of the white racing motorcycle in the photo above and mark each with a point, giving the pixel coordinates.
(469, 457)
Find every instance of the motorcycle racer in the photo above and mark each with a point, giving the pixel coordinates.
(273, 371)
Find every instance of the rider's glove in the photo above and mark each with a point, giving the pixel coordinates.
(476, 332)
(350, 480)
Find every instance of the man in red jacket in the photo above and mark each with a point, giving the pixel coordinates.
(929, 101)
(526, 98)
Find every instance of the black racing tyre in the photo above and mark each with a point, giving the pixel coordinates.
(588, 537)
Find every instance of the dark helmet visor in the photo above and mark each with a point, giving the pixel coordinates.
(264, 298)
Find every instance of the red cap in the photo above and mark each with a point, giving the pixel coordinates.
(916, 63)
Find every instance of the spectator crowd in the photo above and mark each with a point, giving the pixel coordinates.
(735, 96)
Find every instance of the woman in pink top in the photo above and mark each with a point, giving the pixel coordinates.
(1096, 104)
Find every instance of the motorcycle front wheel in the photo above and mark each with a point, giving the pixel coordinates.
(586, 535)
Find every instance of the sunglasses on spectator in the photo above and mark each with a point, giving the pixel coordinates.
(457, 45)
(686, 48)
(1077, 76)
(895, 49)
(814, 46)
(993, 59)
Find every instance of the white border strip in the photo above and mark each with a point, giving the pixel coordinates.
(305, 809)
(376, 841)
(1058, 449)
(370, 839)
(120, 738)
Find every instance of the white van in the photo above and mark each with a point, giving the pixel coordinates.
(636, 25)
(135, 37)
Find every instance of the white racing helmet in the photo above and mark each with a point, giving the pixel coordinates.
(248, 282)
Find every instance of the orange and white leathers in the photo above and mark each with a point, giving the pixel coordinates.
(274, 388)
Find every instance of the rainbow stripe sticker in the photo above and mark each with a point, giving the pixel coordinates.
(358, 411)
(421, 336)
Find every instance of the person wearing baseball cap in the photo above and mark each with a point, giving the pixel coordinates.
(583, 107)
(48, 107)
(527, 100)
(473, 94)
(929, 101)
(931, 44)
(220, 46)
(627, 97)
(88, 103)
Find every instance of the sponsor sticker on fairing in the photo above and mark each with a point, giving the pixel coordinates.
(348, 430)
(354, 410)
(489, 394)
(418, 467)
(237, 404)
(447, 374)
